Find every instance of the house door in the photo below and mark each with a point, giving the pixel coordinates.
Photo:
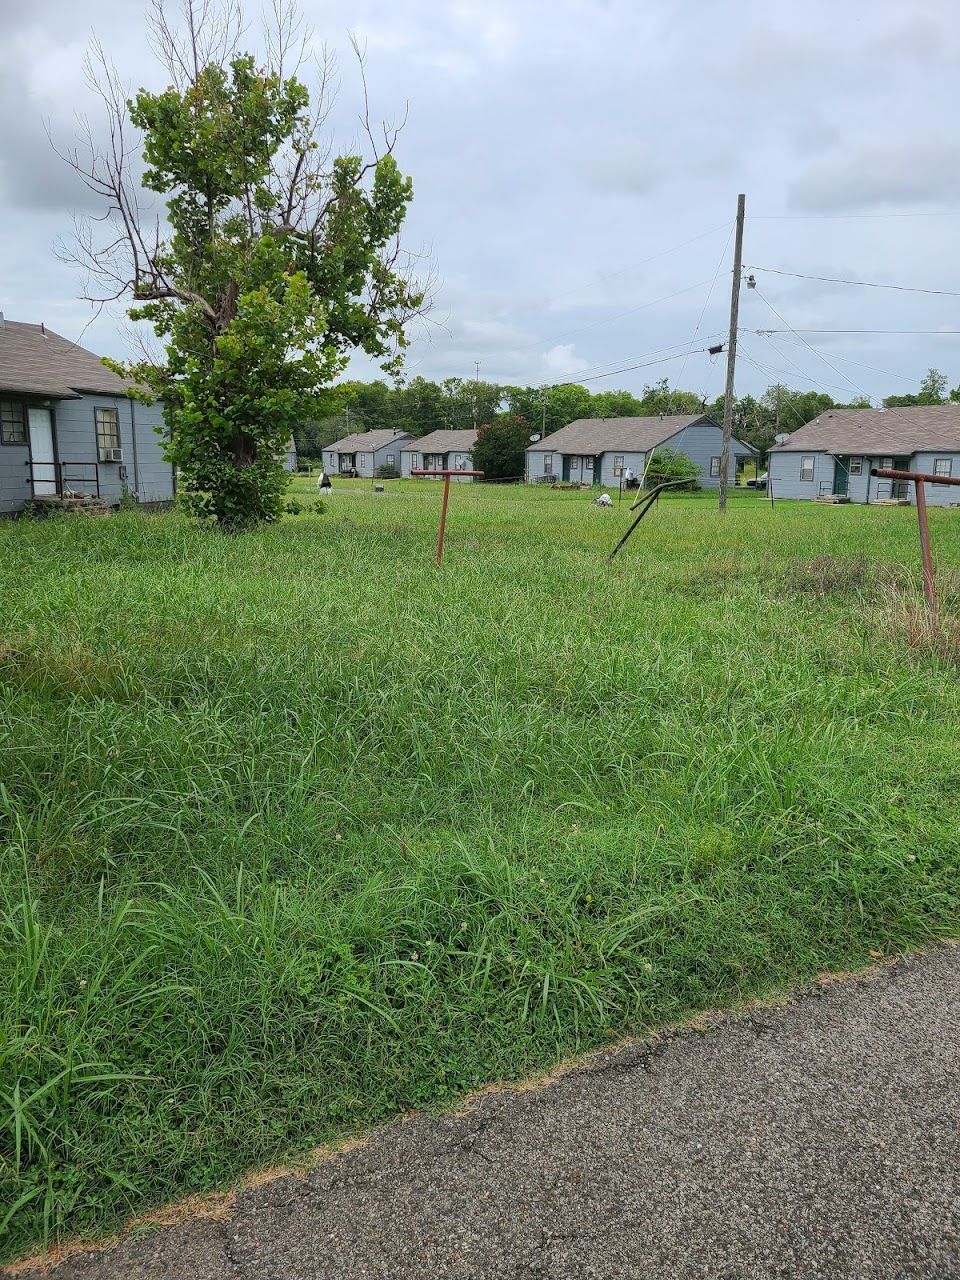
(841, 475)
(43, 462)
(900, 488)
(587, 470)
(565, 473)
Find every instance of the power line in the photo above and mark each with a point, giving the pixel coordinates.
(706, 301)
(790, 329)
(863, 284)
(846, 217)
(818, 354)
(887, 373)
(629, 368)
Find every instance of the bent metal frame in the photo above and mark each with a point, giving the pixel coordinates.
(446, 498)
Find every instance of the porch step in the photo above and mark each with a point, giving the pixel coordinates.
(833, 499)
(81, 504)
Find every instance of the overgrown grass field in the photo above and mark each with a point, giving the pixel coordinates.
(297, 832)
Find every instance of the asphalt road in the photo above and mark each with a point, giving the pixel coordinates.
(816, 1138)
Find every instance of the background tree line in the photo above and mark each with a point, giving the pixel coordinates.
(515, 413)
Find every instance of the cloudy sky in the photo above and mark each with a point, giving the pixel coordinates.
(576, 165)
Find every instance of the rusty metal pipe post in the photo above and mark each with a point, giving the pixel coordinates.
(441, 532)
(929, 586)
(920, 479)
(443, 519)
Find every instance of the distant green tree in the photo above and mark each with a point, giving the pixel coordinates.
(500, 451)
(660, 398)
(933, 388)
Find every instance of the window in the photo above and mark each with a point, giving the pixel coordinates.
(574, 464)
(548, 464)
(391, 459)
(714, 466)
(618, 464)
(414, 462)
(13, 426)
(108, 428)
(855, 467)
(806, 466)
(942, 466)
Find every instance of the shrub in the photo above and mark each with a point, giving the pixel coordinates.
(670, 464)
(388, 472)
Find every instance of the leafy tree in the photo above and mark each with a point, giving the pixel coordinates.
(276, 263)
(661, 399)
(500, 451)
(670, 464)
(933, 388)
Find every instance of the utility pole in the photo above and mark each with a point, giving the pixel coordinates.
(731, 353)
(476, 393)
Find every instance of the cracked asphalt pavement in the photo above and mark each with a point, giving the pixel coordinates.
(820, 1137)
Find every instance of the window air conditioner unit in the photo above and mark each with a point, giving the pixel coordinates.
(111, 455)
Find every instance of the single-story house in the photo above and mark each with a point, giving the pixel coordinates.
(68, 426)
(365, 452)
(601, 450)
(831, 456)
(440, 451)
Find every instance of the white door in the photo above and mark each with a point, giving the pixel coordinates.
(43, 461)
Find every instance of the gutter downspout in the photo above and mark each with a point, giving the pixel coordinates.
(136, 457)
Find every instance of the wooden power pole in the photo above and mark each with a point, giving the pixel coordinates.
(731, 354)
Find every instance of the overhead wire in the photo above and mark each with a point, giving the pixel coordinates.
(863, 284)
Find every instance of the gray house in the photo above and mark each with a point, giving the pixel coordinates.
(440, 451)
(69, 428)
(365, 452)
(830, 458)
(600, 450)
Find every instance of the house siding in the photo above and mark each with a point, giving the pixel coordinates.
(368, 461)
(14, 476)
(699, 441)
(635, 461)
(938, 495)
(452, 460)
(784, 471)
(144, 471)
(702, 442)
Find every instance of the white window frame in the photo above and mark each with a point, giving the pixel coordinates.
(391, 459)
(548, 464)
(107, 424)
(855, 467)
(618, 467)
(414, 462)
(804, 459)
(715, 467)
(940, 463)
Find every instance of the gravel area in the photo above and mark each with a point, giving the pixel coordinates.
(820, 1137)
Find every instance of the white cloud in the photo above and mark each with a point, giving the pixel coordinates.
(561, 362)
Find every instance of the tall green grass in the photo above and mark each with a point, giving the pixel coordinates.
(296, 831)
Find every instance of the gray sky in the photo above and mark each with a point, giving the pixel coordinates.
(576, 162)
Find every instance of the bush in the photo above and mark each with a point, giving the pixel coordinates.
(670, 464)
(388, 473)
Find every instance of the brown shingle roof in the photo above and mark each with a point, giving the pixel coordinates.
(879, 431)
(368, 441)
(444, 442)
(36, 361)
(629, 435)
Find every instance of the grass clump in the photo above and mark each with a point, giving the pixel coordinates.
(296, 832)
